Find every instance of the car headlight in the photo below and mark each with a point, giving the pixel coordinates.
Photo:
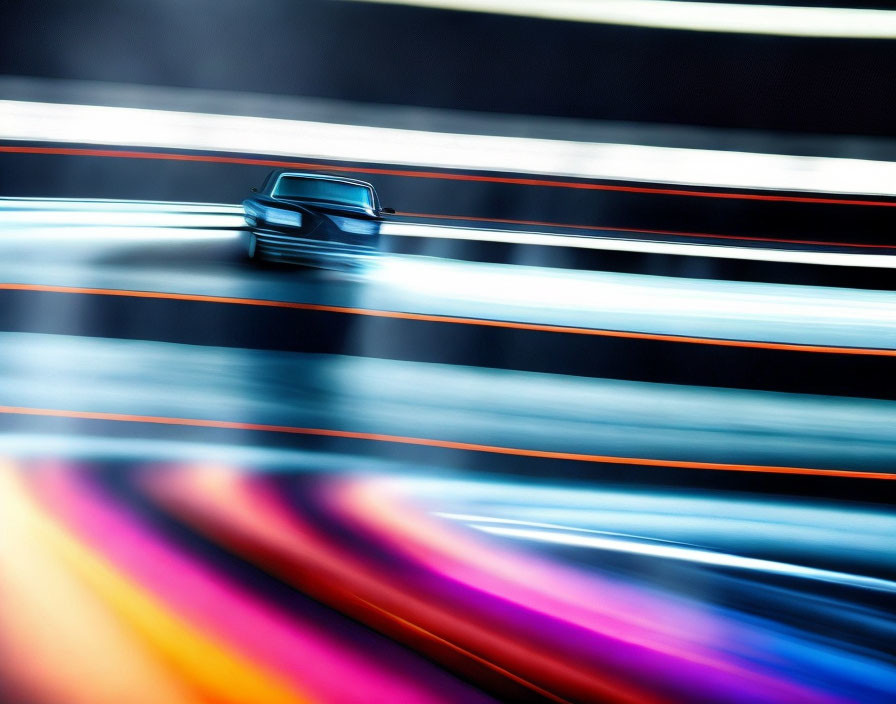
(355, 226)
(283, 217)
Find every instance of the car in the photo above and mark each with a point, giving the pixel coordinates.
(309, 218)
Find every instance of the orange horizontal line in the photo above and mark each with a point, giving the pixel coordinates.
(454, 320)
(445, 175)
(447, 444)
(641, 231)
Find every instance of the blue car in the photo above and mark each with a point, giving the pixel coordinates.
(313, 219)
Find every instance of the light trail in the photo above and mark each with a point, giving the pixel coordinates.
(785, 256)
(795, 21)
(139, 127)
(425, 317)
(45, 255)
(573, 538)
(640, 230)
(443, 444)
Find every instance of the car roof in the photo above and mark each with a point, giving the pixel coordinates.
(276, 174)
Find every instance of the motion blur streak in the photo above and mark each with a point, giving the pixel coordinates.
(47, 213)
(91, 124)
(448, 319)
(218, 639)
(564, 536)
(447, 444)
(580, 634)
(712, 312)
(170, 563)
(637, 230)
(135, 218)
(446, 175)
(552, 240)
(795, 21)
(603, 413)
(212, 671)
(719, 313)
(41, 629)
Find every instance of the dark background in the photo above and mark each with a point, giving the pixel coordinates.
(472, 61)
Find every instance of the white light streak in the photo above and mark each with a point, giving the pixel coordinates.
(687, 554)
(696, 16)
(120, 218)
(80, 237)
(101, 125)
(472, 518)
(110, 204)
(876, 261)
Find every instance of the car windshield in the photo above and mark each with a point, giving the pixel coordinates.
(320, 189)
